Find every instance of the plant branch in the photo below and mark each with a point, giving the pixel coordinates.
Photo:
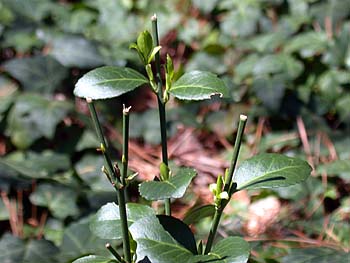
(229, 186)
(114, 253)
(125, 156)
(161, 104)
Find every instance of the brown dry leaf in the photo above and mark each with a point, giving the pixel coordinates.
(262, 214)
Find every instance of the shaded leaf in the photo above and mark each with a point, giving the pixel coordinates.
(108, 82)
(196, 214)
(175, 187)
(271, 170)
(316, 255)
(338, 167)
(39, 73)
(198, 85)
(60, 200)
(106, 223)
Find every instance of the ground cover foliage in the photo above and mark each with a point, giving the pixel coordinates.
(286, 64)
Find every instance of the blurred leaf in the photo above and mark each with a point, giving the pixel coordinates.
(94, 259)
(198, 85)
(197, 213)
(75, 51)
(33, 117)
(87, 140)
(308, 44)
(342, 107)
(53, 231)
(106, 223)
(4, 214)
(175, 187)
(37, 165)
(22, 40)
(60, 200)
(268, 42)
(39, 73)
(206, 62)
(30, 9)
(7, 95)
(337, 168)
(271, 170)
(205, 6)
(316, 255)
(108, 82)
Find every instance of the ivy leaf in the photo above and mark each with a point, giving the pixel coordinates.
(108, 82)
(94, 259)
(106, 223)
(198, 85)
(271, 170)
(60, 200)
(175, 187)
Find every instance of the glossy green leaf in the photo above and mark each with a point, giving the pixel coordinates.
(316, 255)
(175, 187)
(40, 73)
(106, 223)
(93, 259)
(271, 170)
(198, 85)
(195, 214)
(60, 200)
(108, 82)
(33, 117)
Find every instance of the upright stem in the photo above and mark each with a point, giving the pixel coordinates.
(228, 184)
(114, 253)
(125, 156)
(161, 105)
(114, 174)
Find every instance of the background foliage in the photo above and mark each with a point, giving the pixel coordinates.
(286, 63)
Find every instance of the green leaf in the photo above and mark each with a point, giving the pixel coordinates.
(316, 255)
(228, 250)
(197, 213)
(106, 223)
(35, 165)
(144, 46)
(156, 243)
(60, 200)
(33, 117)
(93, 259)
(175, 187)
(108, 82)
(271, 170)
(73, 51)
(179, 231)
(40, 73)
(339, 167)
(4, 214)
(198, 85)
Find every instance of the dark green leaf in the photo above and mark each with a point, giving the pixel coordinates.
(40, 73)
(316, 255)
(106, 223)
(93, 259)
(108, 82)
(196, 214)
(175, 187)
(60, 200)
(271, 170)
(179, 231)
(198, 85)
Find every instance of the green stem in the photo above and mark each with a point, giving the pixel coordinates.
(240, 130)
(114, 174)
(125, 156)
(228, 184)
(161, 105)
(114, 253)
(213, 229)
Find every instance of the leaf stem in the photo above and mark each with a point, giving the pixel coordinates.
(114, 253)
(228, 184)
(125, 156)
(114, 174)
(161, 104)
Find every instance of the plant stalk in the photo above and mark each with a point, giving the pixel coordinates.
(114, 253)
(228, 184)
(161, 104)
(114, 173)
(125, 156)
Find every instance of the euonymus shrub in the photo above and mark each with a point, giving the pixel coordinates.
(146, 236)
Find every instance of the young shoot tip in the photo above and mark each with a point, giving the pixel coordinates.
(154, 17)
(243, 117)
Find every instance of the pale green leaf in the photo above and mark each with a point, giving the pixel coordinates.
(93, 259)
(108, 82)
(271, 170)
(198, 85)
(175, 187)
